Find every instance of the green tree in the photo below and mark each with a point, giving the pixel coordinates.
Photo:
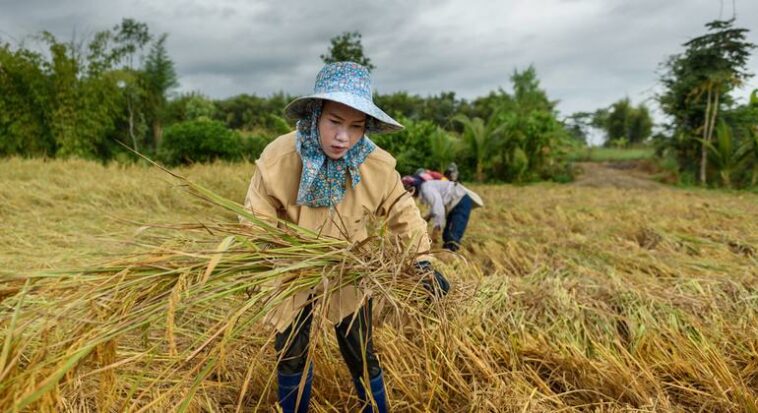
(752, 143)
(697, 87)
(742, 123)
(401, 104)
(479, 138)
(158, 78)
(441, 108)
(442, 150)
(618, 120)
(412, 147)
(578, 125)
(600, 119)
(67, 101)
(23, 104)
(131, 37)
(254, 113)
(199, 107)
(532, 138)
(347, 47)
(727, 154)
(640, 125)
(623, 122)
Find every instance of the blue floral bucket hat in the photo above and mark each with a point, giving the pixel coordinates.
(350, 84)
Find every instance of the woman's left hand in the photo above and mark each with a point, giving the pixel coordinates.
(434, 281)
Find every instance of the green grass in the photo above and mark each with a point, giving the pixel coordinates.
(602, 154)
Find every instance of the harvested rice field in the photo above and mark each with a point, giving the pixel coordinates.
(121, 291)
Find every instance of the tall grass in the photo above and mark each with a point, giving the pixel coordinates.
(566, 298)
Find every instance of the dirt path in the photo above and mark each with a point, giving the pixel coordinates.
(627, 175)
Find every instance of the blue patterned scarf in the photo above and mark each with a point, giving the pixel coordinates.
(323, 181)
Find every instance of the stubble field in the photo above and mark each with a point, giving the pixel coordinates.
(610, 294)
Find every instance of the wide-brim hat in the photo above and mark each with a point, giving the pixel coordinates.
(347, 83)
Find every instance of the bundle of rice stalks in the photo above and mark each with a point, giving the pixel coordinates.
(151, 330)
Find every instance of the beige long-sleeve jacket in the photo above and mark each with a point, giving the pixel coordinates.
(273, 193)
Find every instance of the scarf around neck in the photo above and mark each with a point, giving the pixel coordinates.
(323, 181)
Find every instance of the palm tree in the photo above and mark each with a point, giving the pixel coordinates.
(442, 149)
(479, 138)
(726, 157)
(752, 144)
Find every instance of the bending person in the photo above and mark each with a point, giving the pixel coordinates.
(450, 205)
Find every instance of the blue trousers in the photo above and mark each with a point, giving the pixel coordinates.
(354, 337)
(456, 223)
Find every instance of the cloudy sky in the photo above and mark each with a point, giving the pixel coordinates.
(588, 53)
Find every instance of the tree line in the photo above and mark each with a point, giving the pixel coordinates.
(90, 98)
(80, 98)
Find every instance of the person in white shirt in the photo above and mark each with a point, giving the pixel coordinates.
(450, 206)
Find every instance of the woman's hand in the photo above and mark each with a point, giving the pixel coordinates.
(433, 280)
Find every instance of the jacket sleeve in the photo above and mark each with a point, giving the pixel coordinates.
(403, 216)
(259, 201)
(436, 205)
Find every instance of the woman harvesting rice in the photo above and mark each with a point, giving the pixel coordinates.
(327, 176)
(450, 204)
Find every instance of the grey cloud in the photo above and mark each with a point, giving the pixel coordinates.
(588, 53)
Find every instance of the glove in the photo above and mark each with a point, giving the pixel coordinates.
(434, 282)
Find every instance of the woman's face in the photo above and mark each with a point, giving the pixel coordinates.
(340, 127)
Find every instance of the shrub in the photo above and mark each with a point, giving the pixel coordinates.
(412, 147)
(200, 140)
(253, 144)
